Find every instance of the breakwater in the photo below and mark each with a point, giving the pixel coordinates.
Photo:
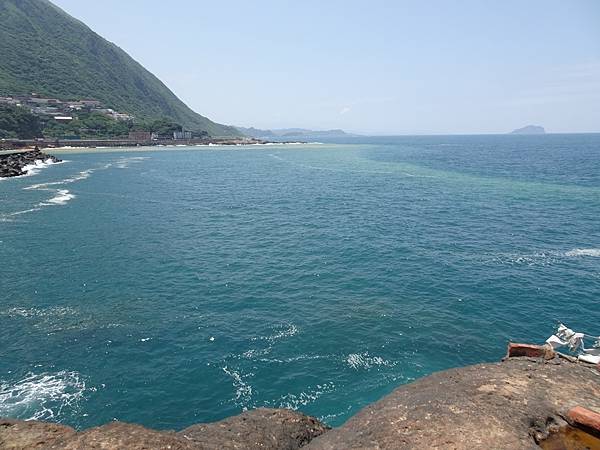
(18, 163)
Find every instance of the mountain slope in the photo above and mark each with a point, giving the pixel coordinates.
(44, 50)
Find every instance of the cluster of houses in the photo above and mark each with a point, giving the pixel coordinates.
(150, 136)
(66, 111)
(61, 110)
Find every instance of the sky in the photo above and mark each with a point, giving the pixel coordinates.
(370, 66)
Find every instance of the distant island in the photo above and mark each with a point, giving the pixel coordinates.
(292, 133)
(529, 129)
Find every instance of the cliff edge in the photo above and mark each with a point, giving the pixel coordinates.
(514, 404)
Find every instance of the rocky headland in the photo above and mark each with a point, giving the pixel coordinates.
(515, 404)
(16, 164)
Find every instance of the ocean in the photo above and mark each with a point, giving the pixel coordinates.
(171, 286)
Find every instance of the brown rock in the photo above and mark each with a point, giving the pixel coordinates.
(20, 435)
(259, 429)
(487, 406)
(268, 429)
(123, 436)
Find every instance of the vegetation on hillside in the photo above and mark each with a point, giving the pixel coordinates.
(44, 50)
(18, 123)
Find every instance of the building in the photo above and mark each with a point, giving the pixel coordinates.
(140, 136)
(90, 103)
(10, 101)
(179, 135)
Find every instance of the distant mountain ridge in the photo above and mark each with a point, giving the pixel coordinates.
(529, 129)
(45, 50)
(298, 133)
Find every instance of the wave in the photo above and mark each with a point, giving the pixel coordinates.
(365, 361)
(61, 198)
(594, 252)
(544, 258)
(43, 396)
(56, 311)
(529, 259)
(38, 164)
(243, 390)
(123, 163)
(304, 398)
(283, 331)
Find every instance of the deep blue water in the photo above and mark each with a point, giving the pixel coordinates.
(176, 286)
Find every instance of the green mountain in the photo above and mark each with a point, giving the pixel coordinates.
(44, 50)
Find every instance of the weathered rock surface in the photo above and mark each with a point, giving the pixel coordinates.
(269, 429)
(258, 429)
(13, 164)
(488, 406)
(508, 405)
(18, 434)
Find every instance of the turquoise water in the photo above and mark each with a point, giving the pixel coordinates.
(176, 286)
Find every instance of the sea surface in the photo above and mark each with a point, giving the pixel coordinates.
(173, 286)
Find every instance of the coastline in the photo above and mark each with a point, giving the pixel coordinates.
(27, 161)
(518, 403)
(28, 144)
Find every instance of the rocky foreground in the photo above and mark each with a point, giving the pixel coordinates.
(15, 164)
(509, 405)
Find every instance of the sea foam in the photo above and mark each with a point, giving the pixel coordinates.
(594, 252)
(366, 361)
(61, 198)
(243, 390)
(38, 164)
(46, 396)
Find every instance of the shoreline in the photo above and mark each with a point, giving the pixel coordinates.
(25, 144)
(517, 403)
(25, 161)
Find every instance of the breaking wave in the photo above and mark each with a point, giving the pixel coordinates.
(38, 164)
(44, 396)
(60, 195)
(594, 252)
(61, 198)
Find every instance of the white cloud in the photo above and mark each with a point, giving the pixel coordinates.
(345, 110)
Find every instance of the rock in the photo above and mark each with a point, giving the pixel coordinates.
(269, 429)
(21, 435)
(12, 164)
(121, 436)
(510, 405)
(500, 406)
(259, 429)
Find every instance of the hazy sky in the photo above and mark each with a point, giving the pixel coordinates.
(368, 66)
